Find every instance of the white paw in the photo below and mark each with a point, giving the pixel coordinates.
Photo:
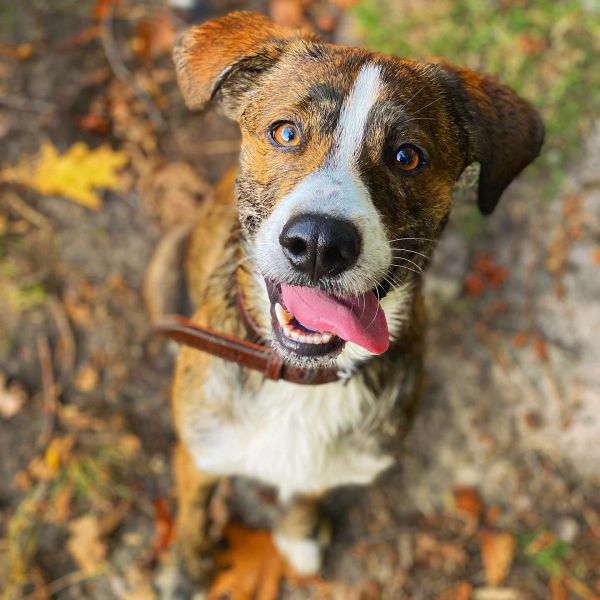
(303, 554)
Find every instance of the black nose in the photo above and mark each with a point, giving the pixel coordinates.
(319, 245)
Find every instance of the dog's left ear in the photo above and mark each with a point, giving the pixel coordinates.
(227, 56)
(504, 132)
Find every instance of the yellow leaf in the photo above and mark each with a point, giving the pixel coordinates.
(76, 174)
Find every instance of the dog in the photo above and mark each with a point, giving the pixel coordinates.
(316, 245)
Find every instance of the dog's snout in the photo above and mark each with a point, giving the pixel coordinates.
(320, 245)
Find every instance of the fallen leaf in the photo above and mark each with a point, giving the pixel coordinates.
(58, 452)
(103, 7)
(474, 285)
(12, 398)
(95, 123)
(85, 544)
(21, 51)
(497, 551)
(438, 554)
(164, 530)
(558, 591)
(154, 36)
(76, 174)
(494, 274)
(61, 504)
(596, 257)
(520, 339)
(253, 566)
(467, 500)
(86, 379)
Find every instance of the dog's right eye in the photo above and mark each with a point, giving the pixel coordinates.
(285, 135)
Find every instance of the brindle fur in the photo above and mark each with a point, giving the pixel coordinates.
(261, 73)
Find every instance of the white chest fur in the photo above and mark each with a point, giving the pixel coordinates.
(290, 436)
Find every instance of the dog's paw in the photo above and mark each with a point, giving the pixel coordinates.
(302, 537)
(305, 555)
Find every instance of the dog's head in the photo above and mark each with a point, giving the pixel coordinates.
(348, 162)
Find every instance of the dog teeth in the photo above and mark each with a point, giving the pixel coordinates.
(306, 338)
(283, 316)
(285, 320)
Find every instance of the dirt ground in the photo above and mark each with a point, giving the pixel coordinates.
(497, 498)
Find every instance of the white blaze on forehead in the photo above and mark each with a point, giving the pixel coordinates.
(335, 189)
(352, 123)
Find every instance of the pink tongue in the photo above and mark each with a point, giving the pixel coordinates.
(357, 319)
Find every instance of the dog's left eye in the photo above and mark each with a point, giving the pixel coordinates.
(409, 158)
(285, 134)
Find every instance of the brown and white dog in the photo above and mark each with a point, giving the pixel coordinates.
(347, 166)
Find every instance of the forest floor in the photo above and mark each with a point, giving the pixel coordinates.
(497, 498)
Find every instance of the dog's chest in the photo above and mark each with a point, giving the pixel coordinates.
(300, 439)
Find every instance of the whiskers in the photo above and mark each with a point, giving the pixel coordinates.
(407, 263)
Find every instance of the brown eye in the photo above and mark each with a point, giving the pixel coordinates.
(286, 135)
(409, 158)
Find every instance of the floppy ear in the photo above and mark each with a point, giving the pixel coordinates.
(226, 56)
(504, 132)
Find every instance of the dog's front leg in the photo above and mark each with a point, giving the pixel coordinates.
(302, 533)
(194, 489)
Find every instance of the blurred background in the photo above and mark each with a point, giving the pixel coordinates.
(497, 498)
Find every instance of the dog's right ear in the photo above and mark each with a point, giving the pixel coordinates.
(226, 57)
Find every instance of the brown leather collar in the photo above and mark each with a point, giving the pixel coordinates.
(247, 354)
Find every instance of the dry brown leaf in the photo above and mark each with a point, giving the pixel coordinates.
(154, 36)
(164, 529)
(438, 554)
(474, 285)
(558, 591)
(61, 505)
(12, 397)
(103, 7)
(85, 544)
(254, 567)
(467, 500)
(497, 551)
(75, 175)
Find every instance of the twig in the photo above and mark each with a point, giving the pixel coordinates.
(27, 212)
(49, 390)
(122, 72)
(67, 339)
(64, 582)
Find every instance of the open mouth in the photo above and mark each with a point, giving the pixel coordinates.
(311, 323)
